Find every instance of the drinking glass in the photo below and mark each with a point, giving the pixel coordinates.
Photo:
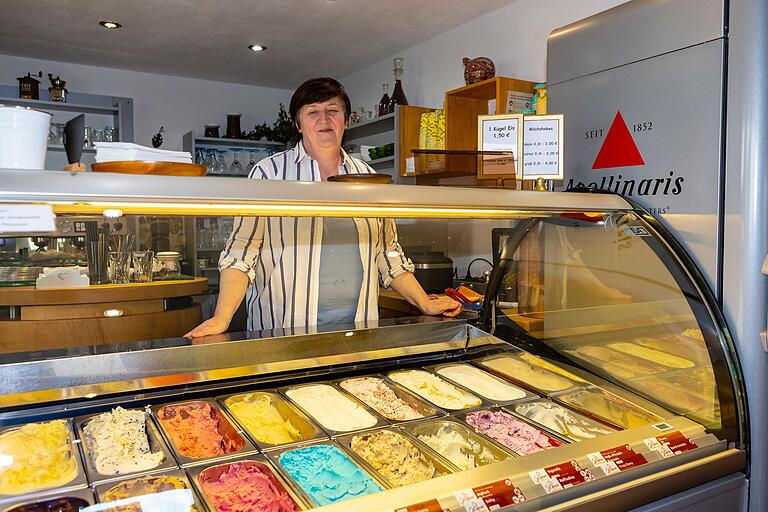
(221, 163)
(235, 167)
(118, 267)
(252, 161)
(210, 161)
(88, 138)
(142, 266)
(109, 134)
(98, 135)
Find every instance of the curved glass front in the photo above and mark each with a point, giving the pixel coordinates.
(607, 293)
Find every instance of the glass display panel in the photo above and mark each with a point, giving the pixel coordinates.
(604, 293)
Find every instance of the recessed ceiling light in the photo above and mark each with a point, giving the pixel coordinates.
(257, 47)
(112, 25)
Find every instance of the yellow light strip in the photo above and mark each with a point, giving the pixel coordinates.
(290, 210)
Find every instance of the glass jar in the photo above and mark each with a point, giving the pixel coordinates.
(167, 264)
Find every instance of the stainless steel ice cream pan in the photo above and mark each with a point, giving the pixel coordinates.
(332, 420)
(156, 444)
(152, 500)
(420, 406)
(432, 427)
(307, 429)
(211, 472)
(521, 394)
(274, 457)
(473, 401)
(558, 383)
(18, 505)
(235, 443)
(441, 465)
(77, 481)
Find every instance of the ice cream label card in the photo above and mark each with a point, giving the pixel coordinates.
(491, 496)
(670, 444)
(617, 459)
(561, 476)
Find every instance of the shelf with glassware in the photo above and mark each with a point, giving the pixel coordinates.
(400, 128)
(231, 158)
(107, 118)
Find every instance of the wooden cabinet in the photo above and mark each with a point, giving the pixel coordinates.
(463, 105)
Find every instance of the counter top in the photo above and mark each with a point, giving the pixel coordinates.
(30, 296)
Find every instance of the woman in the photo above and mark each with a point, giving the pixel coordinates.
(309, 271)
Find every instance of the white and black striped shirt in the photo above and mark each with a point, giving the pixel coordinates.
(281, 255)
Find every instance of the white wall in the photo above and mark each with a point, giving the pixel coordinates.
(514, 37)
(179, 104)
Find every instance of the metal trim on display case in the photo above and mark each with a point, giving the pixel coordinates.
(141, 194)
(143, 367)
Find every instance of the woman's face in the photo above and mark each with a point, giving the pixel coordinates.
(322, 124)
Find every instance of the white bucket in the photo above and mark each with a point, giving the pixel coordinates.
(23, 137)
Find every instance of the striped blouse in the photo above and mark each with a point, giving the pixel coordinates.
(281, 255)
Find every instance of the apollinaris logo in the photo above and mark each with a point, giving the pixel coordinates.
(618, 151)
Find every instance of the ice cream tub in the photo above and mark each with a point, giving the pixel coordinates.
(599, 404)
(524, 374)
(561, 420)
(45, 459)
(460, 445)
(394, 402)
(198, 431)
(396, 457)
(323, 472)
(215, 485)
(492, 389)
(153, 444)
(335, 410)
(65, 501)
(169, 490)
(437, 390)
(514, 433)
(270, 420)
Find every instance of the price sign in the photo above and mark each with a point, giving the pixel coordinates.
(670, 444)
(617, 459)
(543, 147)
(500, 133)
(561, 476)
(25, 218)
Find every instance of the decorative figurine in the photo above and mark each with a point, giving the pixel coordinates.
(58, 89)
(157, 139)
(477, 70)
(29, 86)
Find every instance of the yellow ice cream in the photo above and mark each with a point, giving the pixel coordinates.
(36, 456)
(524, 372)
(436, 390)
(257, 413)
(655, 356)
(612, 410)
(537, 361)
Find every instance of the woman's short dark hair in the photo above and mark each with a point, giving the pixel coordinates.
(317, 90)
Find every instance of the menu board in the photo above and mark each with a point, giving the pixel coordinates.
(543, 147)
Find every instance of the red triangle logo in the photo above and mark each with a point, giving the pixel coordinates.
(619, 149)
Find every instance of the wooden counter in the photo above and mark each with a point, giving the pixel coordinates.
(98, 314)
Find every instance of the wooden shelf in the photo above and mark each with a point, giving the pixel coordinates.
(463, 105)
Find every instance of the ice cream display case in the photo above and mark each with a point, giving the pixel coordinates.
(599, 375)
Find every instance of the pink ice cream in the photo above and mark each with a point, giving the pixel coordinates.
(245, 486)
(520, 437)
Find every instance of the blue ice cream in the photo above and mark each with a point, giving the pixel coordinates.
(326, 475)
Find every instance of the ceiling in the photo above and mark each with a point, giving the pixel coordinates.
(209, 38)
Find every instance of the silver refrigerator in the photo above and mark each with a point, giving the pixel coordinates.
(665, 103)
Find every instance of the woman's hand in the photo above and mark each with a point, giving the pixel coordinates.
(436, 306)
(214, 325)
